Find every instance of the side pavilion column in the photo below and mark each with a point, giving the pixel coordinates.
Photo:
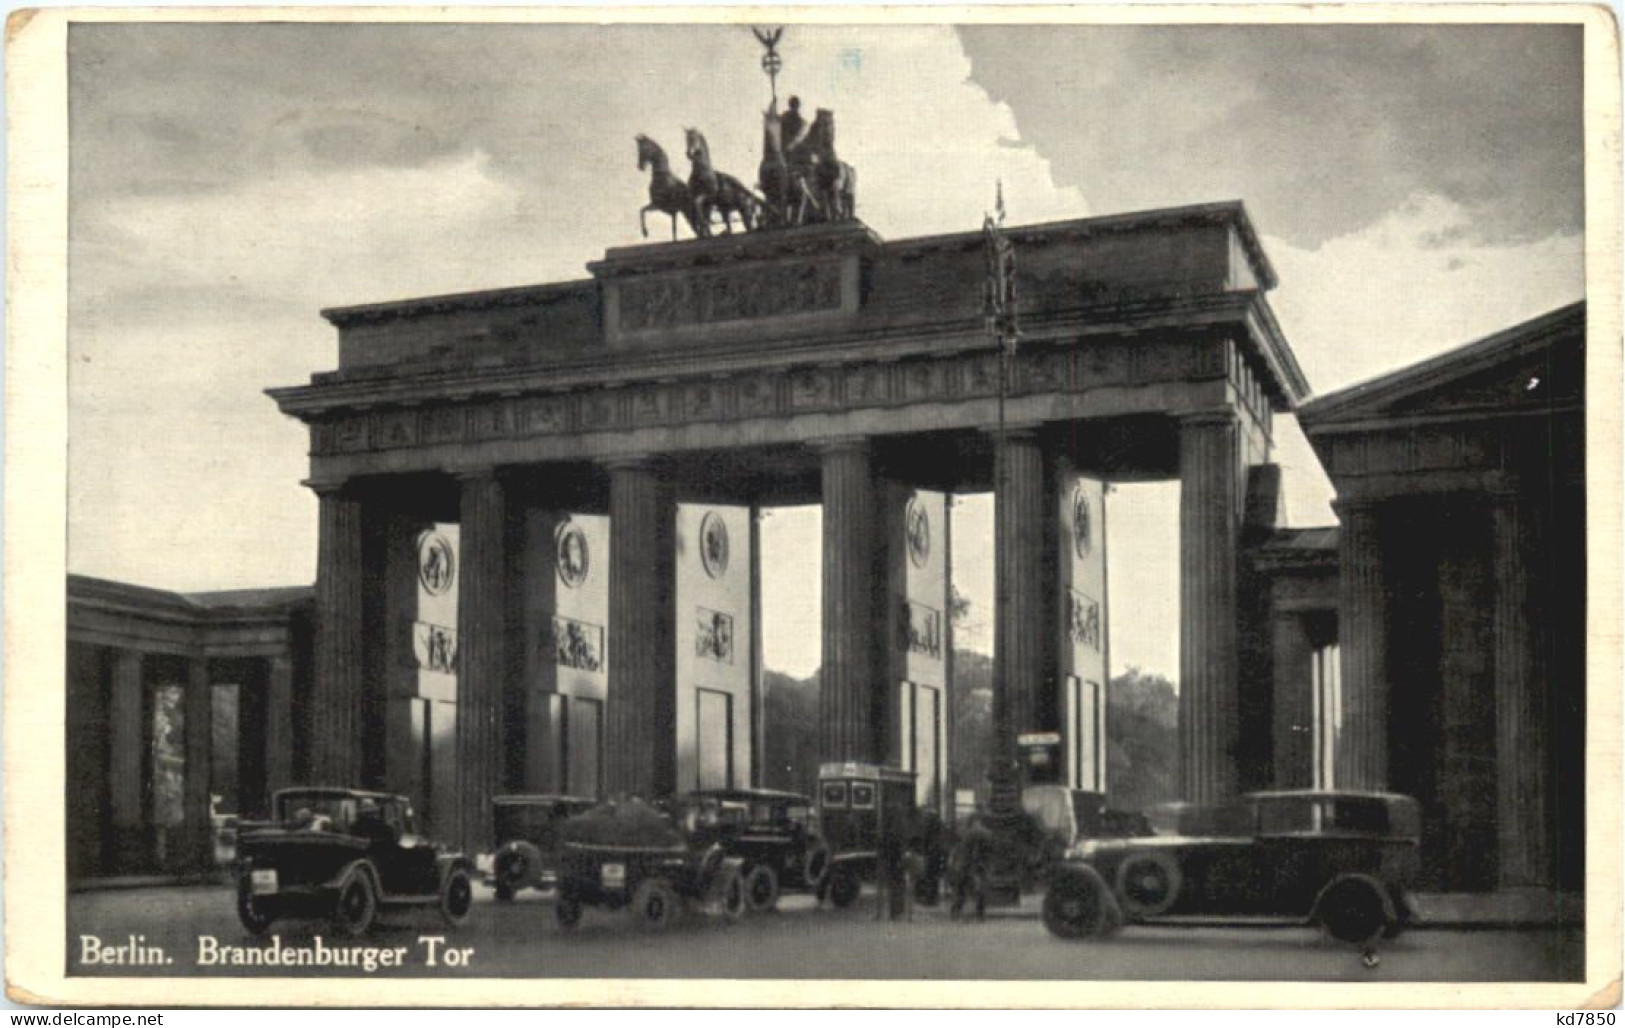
(852, 687)
(1362, 742)
(640, 719)
(482, 634)
(1521, 683)
(1024, 633)
(337, 686)
(1210, 508)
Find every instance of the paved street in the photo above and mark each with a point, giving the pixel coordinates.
(521, 939)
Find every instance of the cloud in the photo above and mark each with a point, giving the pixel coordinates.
(1322, 130)
(1392, 294)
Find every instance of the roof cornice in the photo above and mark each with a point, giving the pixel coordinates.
(1360, 402)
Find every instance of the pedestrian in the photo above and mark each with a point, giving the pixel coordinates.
(967, 868)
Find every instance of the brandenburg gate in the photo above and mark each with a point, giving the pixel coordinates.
(539, 565)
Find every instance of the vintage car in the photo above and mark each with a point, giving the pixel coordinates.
(774, 833)
(629, 854)
(1341, 860)
(342, 854)
(872, 824)
(526, 828)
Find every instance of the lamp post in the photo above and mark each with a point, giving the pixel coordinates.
(999, 317)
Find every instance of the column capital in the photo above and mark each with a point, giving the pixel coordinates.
(1216, 416)
(1356, 503)
(629, 462)
(325, 486)
(1024, 430)
(839, 443)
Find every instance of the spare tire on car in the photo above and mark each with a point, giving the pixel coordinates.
(1079, 904)
(1148, 883)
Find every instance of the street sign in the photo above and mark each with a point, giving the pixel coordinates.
(1039, 739)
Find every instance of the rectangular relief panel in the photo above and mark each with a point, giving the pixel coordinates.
(919, 634)
(1084, 665)
(714, 631)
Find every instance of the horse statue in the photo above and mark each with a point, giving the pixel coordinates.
(667, 193)
(787, 198)
(834, 181)
(710, 190)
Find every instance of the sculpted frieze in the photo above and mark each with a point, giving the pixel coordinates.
(812, 390)
(543, 417)
(1039, 369)
(756, 396)
(866, 386)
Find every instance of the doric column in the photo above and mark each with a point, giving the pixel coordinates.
(1210, 477)
(640, 711)
(481, 653)
(1294, 707)
(278, 723)
(851, 692)
(1523, 810)
(1024, 635)
(1362, 744)
(127, 726)
(197, 729)
(336, 688)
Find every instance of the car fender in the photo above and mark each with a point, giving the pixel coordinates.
(446, 863)
(366, 868)
(1386, 893)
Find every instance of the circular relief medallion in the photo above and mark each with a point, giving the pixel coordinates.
(917, 528)
(573, 557)
(1083, 523)
(437, 564)
(713, 544)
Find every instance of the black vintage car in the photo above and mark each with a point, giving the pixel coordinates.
(774, 833)
(872, 824)
(1342, 860)
(342, 854)
(629, 854)
(526, 828)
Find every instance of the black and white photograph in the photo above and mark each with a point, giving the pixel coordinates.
(582, 505)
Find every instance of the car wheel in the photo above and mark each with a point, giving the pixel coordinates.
(843, 888)
(1079, 905)
(655, 904)
(456, 898)
(567, 912)
(762, 888)
(815, 864)
(357, 904)
(729, 894)
(252, 912)
(1148, 884)
(1353, 910)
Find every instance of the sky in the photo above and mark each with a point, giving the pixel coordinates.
(1415, 187)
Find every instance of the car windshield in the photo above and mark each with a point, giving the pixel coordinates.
(1356, 815)
(1052, 808)
(306, 808)
(1282, 817)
